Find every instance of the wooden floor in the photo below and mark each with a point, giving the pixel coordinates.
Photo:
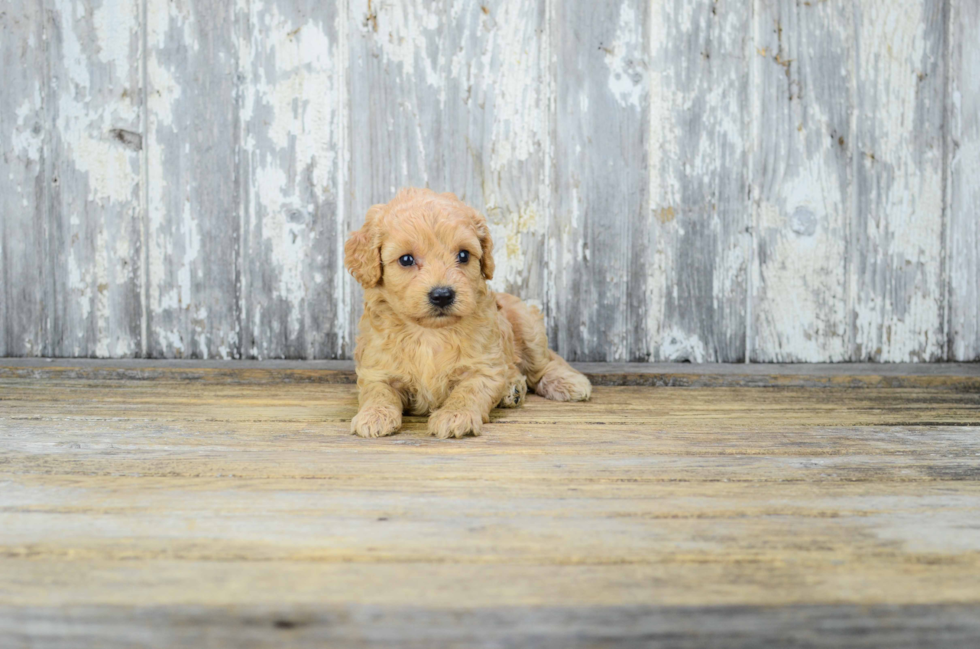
(232, 508)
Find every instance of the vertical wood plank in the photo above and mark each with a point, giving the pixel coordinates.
(896, 242)
(963, 151)
(398, 84)
(93, 215)
(293, 277)
(497, 125)
(194, 194)
(697, 267)
(801, 181)
(453, 96)
(600, 175)
(397, 91)
(23, 184)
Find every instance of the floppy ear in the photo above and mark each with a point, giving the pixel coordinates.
(362, 252)
(486, 243)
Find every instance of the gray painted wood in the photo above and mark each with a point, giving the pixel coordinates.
(698, 262)
(963, 156)
(23, 184)
(802, 182)
(293, 113)
(601, 126)
(398, 67)
(708, 181)
(497, 117)
(896, 243)
(93, 214)
(194, 193)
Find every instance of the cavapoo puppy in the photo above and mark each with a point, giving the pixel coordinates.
(434, 339)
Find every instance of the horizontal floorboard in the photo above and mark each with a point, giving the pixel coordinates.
(744, 627)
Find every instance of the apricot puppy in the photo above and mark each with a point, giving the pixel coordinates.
(434, 339)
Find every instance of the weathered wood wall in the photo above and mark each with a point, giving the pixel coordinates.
(704, 180)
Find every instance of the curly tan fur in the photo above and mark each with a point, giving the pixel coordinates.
(457, 363)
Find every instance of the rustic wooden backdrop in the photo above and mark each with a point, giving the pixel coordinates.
(705, 180)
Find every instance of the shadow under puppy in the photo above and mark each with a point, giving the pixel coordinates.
(434, 338)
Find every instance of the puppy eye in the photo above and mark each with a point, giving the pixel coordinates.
(406, 260)
(463, 256)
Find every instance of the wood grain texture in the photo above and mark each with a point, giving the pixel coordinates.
(963, 155)
(23, 183)
(94, 214)
(802, 182)
(697, 264)
(293, 281)
(156, 510)
(399, 62)
(194, 194)
(601, 130)
(546, 627)
(498, 145)
(896, 235)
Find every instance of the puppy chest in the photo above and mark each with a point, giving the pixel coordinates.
(426, 365)
(429, 371)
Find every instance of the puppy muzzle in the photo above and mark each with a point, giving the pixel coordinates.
(442, 297)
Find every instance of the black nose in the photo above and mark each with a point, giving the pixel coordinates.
(442, 296)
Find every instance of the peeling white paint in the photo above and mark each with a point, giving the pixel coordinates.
(293, 78)
(98, 176)
(28, 136)
(697, 133)
(898, 318)
(486, 76)
(404, 32)
(799, 292)
(499, 70)
(515, 84)
(663, 188)
(627, 59)
(678, 346)
(79, 283)
(83, 123)
(508, 232)
(163, 93)
(116, 23)
(963, 231)
(112, 170)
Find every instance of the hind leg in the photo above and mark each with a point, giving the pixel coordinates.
(547, 373)
(561, 382)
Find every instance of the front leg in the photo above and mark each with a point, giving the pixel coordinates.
(467, 408)
(380, 411)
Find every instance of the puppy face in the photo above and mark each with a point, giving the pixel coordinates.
(428, 254)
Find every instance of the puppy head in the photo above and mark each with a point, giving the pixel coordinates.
(428, 254)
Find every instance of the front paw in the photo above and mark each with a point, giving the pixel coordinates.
(376, 422)
(455, 423)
